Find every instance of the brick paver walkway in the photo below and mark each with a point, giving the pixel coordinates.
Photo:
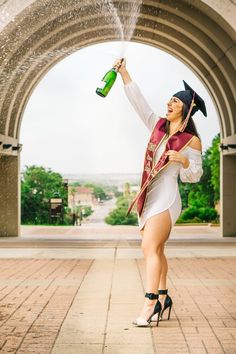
(86, 306)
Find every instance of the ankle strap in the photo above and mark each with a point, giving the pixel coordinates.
(162, 292)
(152, 296)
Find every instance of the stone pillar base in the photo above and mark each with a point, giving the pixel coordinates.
(9, 196)
(228, 195)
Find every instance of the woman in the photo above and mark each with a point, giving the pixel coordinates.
(174, 149)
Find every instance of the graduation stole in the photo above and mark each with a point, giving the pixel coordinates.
(177, 141)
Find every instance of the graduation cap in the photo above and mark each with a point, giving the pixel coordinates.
(192, 101)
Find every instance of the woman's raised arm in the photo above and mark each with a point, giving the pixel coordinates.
(136, 97)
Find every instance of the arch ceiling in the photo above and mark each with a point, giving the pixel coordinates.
(199, 33)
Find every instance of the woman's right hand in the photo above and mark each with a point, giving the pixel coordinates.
(120, 65)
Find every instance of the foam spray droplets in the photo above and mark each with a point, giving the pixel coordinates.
(121, 16)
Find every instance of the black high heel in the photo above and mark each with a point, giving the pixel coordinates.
(168, 303)
(142, 322)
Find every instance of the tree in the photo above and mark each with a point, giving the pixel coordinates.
(126, 192)
(38, 185)
(97, 190)
(118, 215)
(204, 194)
(76, 184)
(215, 167)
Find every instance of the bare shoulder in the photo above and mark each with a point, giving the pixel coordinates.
(196, 143)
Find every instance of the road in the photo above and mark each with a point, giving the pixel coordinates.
(100, 212)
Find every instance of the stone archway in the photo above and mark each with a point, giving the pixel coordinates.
(199, 33)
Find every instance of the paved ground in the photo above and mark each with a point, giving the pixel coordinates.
(76, 299)
(98, 231)
(86, 306)
(99, 242)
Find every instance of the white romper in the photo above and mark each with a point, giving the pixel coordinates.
(163, 192)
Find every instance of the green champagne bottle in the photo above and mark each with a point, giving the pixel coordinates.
(107, 82)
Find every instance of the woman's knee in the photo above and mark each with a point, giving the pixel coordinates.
(160, 248)
(154, 248)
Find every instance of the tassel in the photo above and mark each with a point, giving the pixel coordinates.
(188, 115)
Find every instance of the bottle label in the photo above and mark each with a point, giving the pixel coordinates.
(102, 85)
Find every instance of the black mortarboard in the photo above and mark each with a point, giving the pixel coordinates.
(187, 95)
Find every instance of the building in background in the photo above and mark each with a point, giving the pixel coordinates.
(78, 196)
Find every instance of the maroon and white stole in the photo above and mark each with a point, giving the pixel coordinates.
(177, 142)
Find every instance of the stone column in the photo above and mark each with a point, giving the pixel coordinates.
(228, 195)
(9, 195)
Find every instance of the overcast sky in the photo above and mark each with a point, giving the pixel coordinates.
(70, 129)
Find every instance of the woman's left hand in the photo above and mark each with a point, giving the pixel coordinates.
(176, 156)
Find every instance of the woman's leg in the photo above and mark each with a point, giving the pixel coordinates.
(164, 269)
(163, 277)
(155, 233)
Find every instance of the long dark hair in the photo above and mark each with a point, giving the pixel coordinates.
(190, 128)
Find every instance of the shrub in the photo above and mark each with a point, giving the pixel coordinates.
(189, 213)
(118, 217)
(186, 221)
(207, 214)
(194, 214)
